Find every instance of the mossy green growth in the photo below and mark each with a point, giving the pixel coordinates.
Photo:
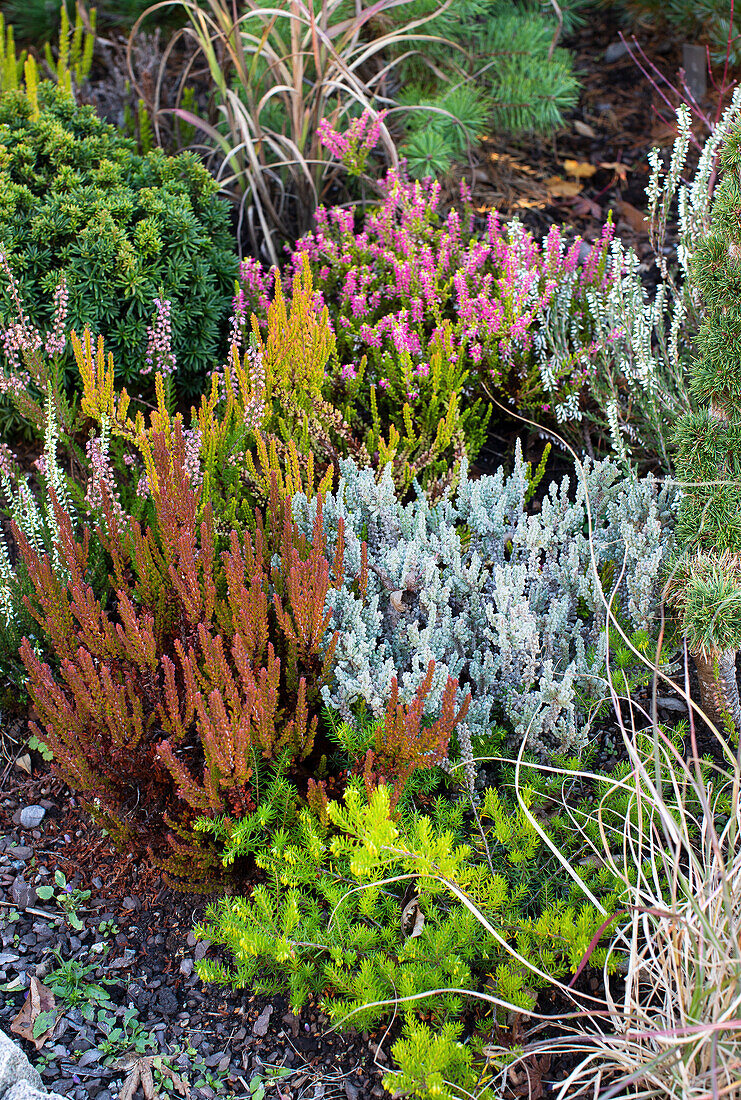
(77, 200)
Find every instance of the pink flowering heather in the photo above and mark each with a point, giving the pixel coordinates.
(353, 146)
(160, 356)
(56, 339)
(415, 278)
(101, 476)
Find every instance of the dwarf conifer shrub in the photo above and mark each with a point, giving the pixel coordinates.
(123, 229)
(707, 584)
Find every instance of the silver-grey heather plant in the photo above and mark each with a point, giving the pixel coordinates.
(506, 599)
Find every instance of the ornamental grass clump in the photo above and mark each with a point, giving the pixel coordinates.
(414, 296)
(707, 583)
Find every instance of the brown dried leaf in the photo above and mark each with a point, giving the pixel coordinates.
(140, 1075)
(618, 168)
(24, 762)
(412, 917)
(38, 999)
(561, 188)
(581, 169)
(635, 218)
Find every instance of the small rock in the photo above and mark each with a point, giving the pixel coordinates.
(124, 961)
(201, 949)
(8, 957)
(98, 882)
(167, 1001)
(191, 940)
(351, 1091)
(131, 903)
(186, 967)
(20, 851)
(90, 1057)
(32, 816)
(261, 1024)
(615, 51)
(22, 894)
(292, 1021)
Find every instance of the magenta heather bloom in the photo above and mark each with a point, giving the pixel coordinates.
(353, 146)
(418, 282)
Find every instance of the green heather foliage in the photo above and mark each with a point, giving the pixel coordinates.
(708, 578)
(358, 906)
(124, 229)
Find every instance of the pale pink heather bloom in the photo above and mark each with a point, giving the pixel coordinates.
(101, 477)
(56, 339)
(160, 356)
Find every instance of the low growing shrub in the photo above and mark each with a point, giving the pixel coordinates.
(511, 603)
(123, 230)
(412, 286)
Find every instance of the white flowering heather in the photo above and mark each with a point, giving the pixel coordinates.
(507, 602)
(635, 358)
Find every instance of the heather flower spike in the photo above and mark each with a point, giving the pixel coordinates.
(353, 146)
(160, 356)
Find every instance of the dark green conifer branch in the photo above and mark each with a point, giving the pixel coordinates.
(707, 586)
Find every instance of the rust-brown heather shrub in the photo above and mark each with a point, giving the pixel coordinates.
(161, 708)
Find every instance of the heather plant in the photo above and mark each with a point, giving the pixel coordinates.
(122, 229)
(367, 910)
(170, 697)
(194, 687)
(639, 377)
(511, 603)
(424, 300)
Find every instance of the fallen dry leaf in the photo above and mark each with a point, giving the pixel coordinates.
(140, 1076)
(617, 167)
(584, 206)
(39, 1000)
(412, 917)
(635, 218)
(581, 169)
(561, 188)
(24, 762)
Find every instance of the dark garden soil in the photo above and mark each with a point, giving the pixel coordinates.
(225, 1039)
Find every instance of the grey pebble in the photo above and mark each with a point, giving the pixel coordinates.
(32, 816)
(20, 851)
(186, 967)
(261, 1024)
(201, 949)
(615, 51)
(22, 894)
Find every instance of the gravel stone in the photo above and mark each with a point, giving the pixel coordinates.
(32, 816)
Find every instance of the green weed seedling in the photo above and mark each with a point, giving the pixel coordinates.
(41, 747)
(70, 983)
(66, 896)
(124, 1035)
